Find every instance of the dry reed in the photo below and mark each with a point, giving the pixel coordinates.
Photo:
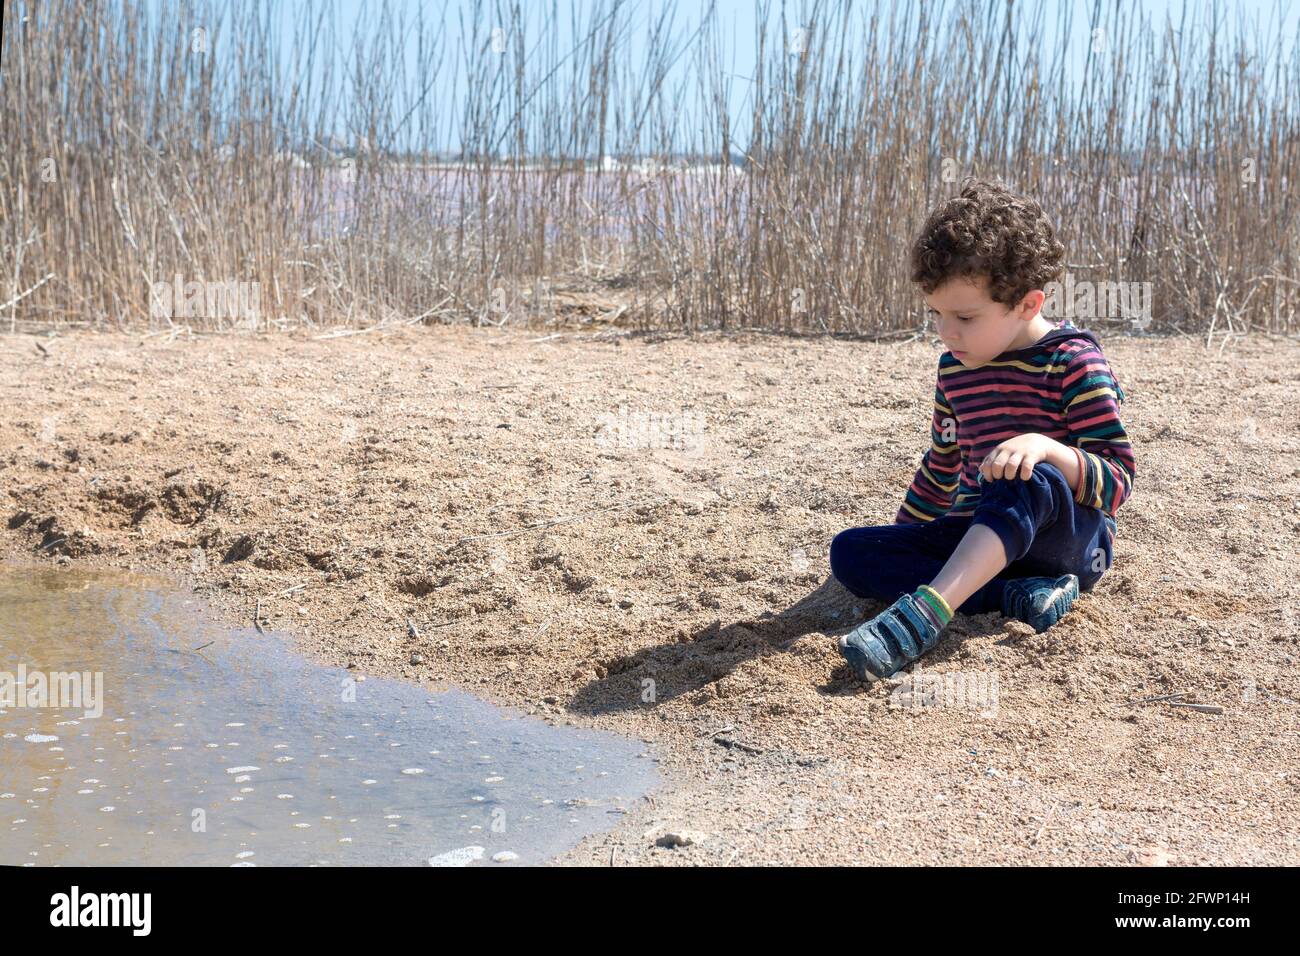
(211, 142)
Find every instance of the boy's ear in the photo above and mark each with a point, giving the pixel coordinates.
(1033, 301)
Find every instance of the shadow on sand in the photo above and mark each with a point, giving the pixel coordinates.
(708, 654)
(696, 659)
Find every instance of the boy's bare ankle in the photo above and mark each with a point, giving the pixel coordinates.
(978, 558)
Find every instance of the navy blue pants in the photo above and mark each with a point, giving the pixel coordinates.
(1042, 528)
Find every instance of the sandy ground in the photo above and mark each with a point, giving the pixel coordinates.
(558, 551)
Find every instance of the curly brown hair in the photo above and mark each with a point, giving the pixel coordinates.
(988, 230)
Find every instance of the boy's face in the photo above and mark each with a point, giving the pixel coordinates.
(977, 329)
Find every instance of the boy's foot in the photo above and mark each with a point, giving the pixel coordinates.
(1039, 602)
(891, 640)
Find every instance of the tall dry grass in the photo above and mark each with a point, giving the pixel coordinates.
(213, 142)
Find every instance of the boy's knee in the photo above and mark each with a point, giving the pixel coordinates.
(1042, 469)
(850, 550)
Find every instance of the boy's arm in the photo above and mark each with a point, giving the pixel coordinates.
(1089, 392)
(931, 492)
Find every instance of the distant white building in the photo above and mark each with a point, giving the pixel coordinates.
(647, 168)
(288, 156)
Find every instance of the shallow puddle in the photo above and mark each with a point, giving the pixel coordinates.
(220, 747)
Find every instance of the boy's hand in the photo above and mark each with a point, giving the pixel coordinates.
(1016, 457)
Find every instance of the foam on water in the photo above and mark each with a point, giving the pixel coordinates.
(242, 749)
(462, 857)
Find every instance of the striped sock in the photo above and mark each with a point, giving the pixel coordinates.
(933, 605)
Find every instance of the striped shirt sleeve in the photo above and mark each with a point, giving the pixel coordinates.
(1091, 397)
(935, 483)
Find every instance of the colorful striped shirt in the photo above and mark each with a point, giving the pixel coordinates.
(1061, 386)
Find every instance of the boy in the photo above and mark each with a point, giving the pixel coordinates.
(1013, 506)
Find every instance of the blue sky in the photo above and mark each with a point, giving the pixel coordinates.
(738, 37)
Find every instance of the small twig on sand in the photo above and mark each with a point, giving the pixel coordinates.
(1152, 700)
(1201, 708)
(737, 745)
(257, 617)
(341, 333)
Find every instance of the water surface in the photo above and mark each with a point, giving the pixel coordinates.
(220, 747)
